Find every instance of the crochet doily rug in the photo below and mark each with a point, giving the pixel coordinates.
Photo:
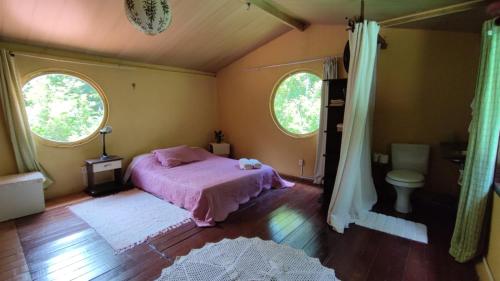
(246, 259)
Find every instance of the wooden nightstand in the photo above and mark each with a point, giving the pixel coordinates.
(112, 163)
(220, 149)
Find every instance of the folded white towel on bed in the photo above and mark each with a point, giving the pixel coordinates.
(245, 164)
(248, 164)
(255, 163)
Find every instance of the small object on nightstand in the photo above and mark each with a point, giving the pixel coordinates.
(104, 131)
(111, 163)
(219, 136)
(220, 149)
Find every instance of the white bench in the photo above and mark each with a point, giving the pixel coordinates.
(21, 195)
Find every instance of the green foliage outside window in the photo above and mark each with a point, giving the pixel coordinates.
(62, 108)
(297, 103)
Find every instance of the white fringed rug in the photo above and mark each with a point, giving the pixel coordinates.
(130, 217)
(395, 226)
(245, 259)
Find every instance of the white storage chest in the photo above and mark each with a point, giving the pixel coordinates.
(21, 195)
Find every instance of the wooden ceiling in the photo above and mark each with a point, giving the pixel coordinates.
(204, 35)
(466, 21)
(335, 11)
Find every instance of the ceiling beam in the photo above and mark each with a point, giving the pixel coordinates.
(447, 10)
(277, 13)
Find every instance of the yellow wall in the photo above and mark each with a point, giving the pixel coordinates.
(244, 96)
(166, 108)
(425, 85)
(493, 256)
(424, 88)
(493, 251)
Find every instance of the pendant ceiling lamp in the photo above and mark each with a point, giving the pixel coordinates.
(149, 16)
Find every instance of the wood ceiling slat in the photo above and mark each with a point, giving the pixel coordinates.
(98, 25)
(204, 34)
(194, 28)
(242, 38)
(13, 25)
(181, 23)
(231, 21)
(245, 43)
(70, 28)
(54, 20)
(2, 17)
(149, 47)
(28, 7)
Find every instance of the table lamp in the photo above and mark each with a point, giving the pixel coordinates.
(104, 131)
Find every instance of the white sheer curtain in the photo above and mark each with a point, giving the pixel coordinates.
(329, 73)
(354, 192)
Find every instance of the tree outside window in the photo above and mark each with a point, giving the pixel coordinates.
(63, 108)
(297, 104)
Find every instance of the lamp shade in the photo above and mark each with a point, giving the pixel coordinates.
(106, 130)
(149, 16)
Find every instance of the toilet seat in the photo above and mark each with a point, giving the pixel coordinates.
(405, 178)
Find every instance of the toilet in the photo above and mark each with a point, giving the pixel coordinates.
(409, 166)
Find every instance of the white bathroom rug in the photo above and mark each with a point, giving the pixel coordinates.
(395, 226)
(131, 217)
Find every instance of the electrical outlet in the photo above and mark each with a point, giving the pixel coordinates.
(301, 162)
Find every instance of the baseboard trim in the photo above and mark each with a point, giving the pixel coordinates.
(489, 274)
(305, 180)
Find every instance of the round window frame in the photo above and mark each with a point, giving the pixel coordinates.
(273, 95)
(83, 77)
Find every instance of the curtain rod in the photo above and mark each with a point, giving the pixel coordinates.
(291, 63)
(131, 65)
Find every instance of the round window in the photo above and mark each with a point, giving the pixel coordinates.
(296, 104)
(64, 108)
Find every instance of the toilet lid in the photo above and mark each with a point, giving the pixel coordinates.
(406, 176)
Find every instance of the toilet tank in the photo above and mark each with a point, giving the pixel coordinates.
(414, 157)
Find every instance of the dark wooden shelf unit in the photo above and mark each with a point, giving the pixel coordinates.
(337, 90)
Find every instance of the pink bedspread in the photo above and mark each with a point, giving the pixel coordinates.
(210, 189)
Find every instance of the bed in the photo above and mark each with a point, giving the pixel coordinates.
(210, 189)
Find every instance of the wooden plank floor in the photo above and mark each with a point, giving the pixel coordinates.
(12, 262)
(57, 245)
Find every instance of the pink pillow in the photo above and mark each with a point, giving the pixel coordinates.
(175, 156)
